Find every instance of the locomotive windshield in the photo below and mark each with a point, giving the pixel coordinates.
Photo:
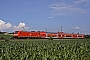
(16, 32)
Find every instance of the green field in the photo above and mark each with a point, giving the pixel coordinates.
(61, 49)
(5, 36)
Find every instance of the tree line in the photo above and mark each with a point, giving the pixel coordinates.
(87, 36)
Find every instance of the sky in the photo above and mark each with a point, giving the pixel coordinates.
(39, 15)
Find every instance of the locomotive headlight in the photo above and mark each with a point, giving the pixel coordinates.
(30, 34)
(15, 34)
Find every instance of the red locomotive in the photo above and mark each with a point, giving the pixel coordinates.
(42, 34)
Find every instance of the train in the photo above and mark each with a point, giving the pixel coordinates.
(45, 35)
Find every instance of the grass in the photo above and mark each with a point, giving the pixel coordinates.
(6, 36)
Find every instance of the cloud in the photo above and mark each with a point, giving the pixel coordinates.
(58, 14)
(81, 30)
(82, 1)
(8, 26)
(50, 17)
(76, 28)
(84, 29)
(4, 25)
(20, 26)
(62, 7)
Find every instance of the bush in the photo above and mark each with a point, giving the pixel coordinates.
(51, 38)
(87, 36)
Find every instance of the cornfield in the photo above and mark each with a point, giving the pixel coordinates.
(45, 50)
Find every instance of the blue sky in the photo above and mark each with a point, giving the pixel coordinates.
(72, 15)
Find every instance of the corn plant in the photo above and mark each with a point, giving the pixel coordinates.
(45, 50)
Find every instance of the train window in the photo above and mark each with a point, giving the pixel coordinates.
(54, 36)
(74, 35)
(59, 35)
(68, 36)
(16, 32)
(20, 32)
(43, 34)
(32, 31)
(79, 36)
(62, 35)
(48, 36)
